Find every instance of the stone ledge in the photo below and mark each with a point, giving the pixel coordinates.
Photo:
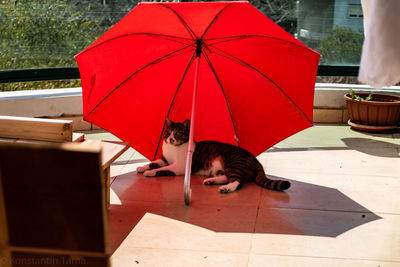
(329, 105)
(330, 95)
(42, 103)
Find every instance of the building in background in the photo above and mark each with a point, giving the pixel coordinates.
(332, 27)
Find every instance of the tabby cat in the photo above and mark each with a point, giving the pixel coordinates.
(222, 164)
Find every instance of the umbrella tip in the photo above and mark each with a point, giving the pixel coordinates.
(199, 47)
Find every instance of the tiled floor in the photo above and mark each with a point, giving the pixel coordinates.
(343, 208)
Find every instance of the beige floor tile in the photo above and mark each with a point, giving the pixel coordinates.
(133, 163)
(342, 208)
(169, 257)
(377, 240)
(116, 169)
(321, 191)
(134, 187)
(258, 260)
(121, 163)
(332, 136)
(370, 142)
(101, 135)
(126, 156)
(350, 162)
(114, 199)
(124, 216)
(310, 222)
(154, 231)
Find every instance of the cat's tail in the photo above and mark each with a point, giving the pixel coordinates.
(263, 181)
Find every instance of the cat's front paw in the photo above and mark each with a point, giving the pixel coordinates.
(208, 181)
(224, 190)
(141, 169)
(229, 188)
(150, 173)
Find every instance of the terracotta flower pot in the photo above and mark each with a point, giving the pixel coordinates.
(380, 113)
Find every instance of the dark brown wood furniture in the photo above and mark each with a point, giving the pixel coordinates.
(52, 205)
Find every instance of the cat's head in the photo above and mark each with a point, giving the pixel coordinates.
(176, 133)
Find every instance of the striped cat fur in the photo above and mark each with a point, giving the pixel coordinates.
(223, 164)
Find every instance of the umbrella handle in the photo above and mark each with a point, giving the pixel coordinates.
(186, 187)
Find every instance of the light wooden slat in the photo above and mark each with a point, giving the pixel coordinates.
(111, 150)
(36, 129)
(76, 138)
(8, 140)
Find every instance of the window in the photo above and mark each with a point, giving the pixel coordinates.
(326, 27)
(355, 11)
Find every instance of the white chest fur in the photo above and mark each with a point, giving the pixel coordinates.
(176, 155)
(216, 167)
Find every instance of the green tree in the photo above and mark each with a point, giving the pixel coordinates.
(341, 46)
(48, 33)
(40, 34)
(43, 34)
(282, 12)
(108, 12)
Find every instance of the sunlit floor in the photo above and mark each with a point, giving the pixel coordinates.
(343, 208)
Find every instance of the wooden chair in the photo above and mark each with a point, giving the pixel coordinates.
(38, 130)
(52, 205)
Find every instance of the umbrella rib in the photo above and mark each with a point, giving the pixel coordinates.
(169, 55)
(214, 21)
(191, 32)
(162, 36)
(173, 100)
(238, 37)
(233, 58)
(223, 92)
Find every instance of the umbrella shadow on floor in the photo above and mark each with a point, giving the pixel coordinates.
(373, 147)
(305, 209)
(312, 210)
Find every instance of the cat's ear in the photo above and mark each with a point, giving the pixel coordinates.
(167, 122)
(186, 123)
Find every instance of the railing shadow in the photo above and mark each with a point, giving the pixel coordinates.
(373, 147)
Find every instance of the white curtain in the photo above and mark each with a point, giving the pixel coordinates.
(380, 58)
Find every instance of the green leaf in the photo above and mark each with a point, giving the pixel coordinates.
(369, 97)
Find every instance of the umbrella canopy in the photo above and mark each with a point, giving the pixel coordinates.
(255, 82)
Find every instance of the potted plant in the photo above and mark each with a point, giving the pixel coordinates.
(373, 112)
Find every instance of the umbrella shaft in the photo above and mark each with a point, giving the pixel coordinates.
(193, 115)
(189, 155)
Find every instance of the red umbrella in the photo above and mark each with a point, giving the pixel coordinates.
(241, 78)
